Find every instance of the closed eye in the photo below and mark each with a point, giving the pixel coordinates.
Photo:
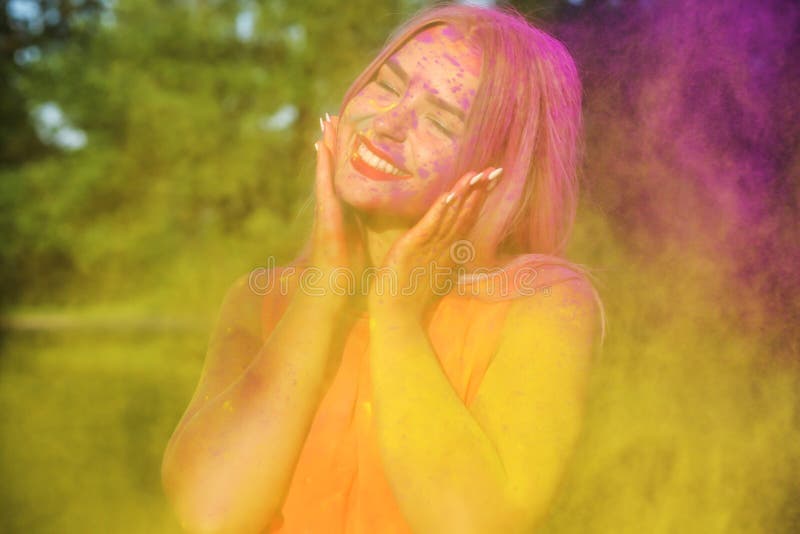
(440, 126)
(389, 88)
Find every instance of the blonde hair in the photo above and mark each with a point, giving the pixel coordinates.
(526, 118)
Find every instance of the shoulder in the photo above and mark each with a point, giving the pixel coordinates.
(559, 288)
(242, 306)
(247, 297)
(531, 400)
(567, 304)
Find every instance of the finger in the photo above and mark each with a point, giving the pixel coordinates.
(468, 214)
(493, 178)
(334, 121)
(469, 180)
(323, 181)
(427, 227)
(323, 175)
(329, 133)
(460, 192)
(471, 209)
(441, 216)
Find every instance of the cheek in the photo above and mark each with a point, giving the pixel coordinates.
(357, 109)
(345, 132)
(344, 140)
(437, 163)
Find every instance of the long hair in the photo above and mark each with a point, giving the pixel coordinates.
(526, 118)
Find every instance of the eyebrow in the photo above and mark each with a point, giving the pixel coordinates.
(436, 100)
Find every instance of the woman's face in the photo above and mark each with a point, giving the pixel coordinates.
(399, 136)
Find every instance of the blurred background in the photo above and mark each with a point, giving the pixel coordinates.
(151, 152)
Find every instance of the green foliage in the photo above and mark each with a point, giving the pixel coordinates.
(184, 150)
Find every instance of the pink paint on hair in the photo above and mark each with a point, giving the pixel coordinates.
(526, 118)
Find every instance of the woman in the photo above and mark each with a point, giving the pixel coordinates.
(443, 391)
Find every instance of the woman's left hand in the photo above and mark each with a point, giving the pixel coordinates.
(422, 261)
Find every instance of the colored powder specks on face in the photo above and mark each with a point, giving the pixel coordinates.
(451, 33)
(428, 87)
(452, 60)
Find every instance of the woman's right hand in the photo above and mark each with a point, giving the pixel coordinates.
(337, 244)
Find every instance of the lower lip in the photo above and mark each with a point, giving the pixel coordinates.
(371, 172)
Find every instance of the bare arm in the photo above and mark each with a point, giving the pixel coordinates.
(229, 463)
(494, 466)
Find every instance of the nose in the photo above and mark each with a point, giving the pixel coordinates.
(393, 123)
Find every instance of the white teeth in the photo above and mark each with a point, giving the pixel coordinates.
(374, 161)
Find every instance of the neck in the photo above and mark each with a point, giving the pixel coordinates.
(380, 233)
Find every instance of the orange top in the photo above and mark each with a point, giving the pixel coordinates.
(339, 484)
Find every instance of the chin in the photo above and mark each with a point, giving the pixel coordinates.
(375, 199)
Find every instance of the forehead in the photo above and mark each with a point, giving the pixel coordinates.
(437, 49)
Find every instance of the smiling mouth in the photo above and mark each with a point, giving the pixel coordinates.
(368, 160)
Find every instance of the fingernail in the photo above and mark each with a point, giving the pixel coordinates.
(449, 198)
(316, 147)
(321, 125)
(475, 179)
(495, 173)
(327, 117)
